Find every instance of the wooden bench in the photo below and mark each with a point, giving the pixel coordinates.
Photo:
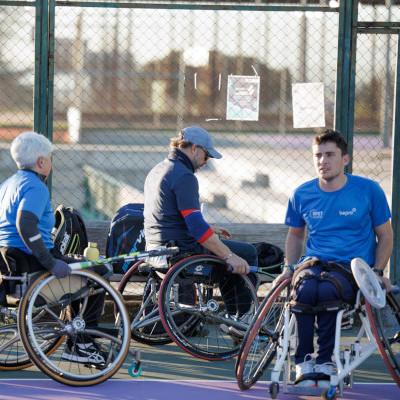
(251, 233)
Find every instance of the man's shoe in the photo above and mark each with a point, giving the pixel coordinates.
(85, 353)
(305, 374)
(323, 374)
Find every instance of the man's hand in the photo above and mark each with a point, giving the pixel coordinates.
(60, 269)
(222, 232)
(286, 274)
(239, 266)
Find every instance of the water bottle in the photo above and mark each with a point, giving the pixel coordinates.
(91, 252)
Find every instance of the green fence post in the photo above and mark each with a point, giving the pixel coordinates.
(395, 259)
(345, 75)
(50, 78)
(41, 67)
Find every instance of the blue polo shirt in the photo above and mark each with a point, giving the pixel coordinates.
(340, 224)
(170, 187)
(27, 192)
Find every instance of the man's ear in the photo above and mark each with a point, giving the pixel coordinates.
(346, 160)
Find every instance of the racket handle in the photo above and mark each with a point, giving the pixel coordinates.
(395, 289)
(253, 268)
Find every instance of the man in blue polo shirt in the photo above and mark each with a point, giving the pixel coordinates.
(172, 213)
(172, 205)
(26, 214)
(26, 222)
(345, 216)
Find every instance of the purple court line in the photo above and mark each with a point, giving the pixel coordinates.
(34, 389)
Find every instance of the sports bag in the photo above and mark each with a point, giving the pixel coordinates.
(69, 233)
(126, 234)
(268, 255)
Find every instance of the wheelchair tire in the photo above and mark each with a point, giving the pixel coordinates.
(195, 322)
(13, 356)
(385, 326)
(259, 345)
(12, 353)
(66, 313)
(141, 331)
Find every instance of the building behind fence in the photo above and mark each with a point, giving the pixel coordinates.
(120, 79)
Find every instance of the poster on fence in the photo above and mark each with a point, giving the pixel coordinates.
(308, 105)
(243, 98)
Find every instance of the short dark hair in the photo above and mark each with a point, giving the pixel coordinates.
(330, 135)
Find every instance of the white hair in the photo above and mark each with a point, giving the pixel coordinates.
(27, 147)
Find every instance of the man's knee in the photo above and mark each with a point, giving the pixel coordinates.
(306, 292)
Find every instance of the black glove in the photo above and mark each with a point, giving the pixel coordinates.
(60, 269)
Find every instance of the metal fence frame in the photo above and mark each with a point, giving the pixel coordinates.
(349, 27)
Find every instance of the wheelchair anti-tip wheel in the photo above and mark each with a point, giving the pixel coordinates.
(260, 343)
(205, 308)
(146, 326)
(95, 339)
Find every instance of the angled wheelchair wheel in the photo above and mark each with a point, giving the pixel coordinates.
(12, 352)
(146, 326)
(259, 345)
(205, 309)
(385, 326)
(95, 339)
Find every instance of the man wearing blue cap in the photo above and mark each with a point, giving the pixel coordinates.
(172, 204)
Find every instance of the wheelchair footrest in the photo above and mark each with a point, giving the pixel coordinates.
(304, 391)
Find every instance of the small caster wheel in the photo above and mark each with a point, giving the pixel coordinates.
(330, 394)
(135, 370)
(274, 390)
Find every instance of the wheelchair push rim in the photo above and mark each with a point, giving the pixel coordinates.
(385, 327)
(259, 345)
(112, 338)
(141, 330)
(201, 335)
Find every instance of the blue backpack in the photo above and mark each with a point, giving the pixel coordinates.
(126, 234)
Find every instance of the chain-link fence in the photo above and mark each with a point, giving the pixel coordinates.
(17, 71)
(127, 77)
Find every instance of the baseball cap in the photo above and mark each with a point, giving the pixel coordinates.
(199, 136)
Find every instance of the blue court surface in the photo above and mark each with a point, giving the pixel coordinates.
(44, 389)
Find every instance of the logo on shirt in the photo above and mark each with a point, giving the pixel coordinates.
(346, 213)
(316, 214)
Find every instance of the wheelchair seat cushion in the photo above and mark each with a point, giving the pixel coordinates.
(336, 274)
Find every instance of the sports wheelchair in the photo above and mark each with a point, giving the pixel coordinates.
(272, 336)
(55, 315)
(193, 302)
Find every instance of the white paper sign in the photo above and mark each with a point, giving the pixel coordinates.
(243, 98)
(308, 105)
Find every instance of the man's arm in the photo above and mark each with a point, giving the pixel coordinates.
(384, 247)
(293, 251)
(214, 244)
(294, 244)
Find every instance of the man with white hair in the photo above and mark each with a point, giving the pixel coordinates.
(26, 222)
(26, 214)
